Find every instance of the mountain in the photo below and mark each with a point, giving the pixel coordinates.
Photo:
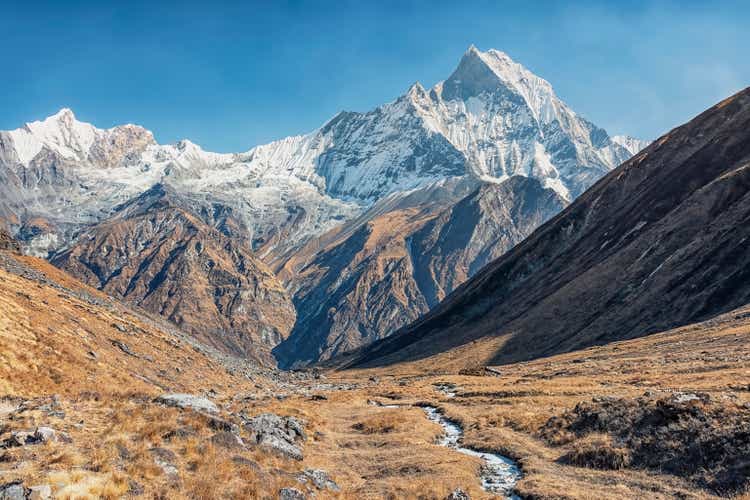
(299, 202)
(395, 266)
(657, 243)
(156, 254)
(489, 120)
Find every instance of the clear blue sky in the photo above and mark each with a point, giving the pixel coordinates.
(232, 75)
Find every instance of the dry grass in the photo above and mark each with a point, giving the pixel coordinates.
(370, 451)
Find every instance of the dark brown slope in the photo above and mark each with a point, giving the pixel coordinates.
(155, 253)
(662, 241)
(397, 265)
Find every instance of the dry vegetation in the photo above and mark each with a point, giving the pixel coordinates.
(117, 441)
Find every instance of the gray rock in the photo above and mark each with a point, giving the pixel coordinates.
(40, 492)
(188, 402)
(12, 491)
(291, 494)
(319, 478)
(280, 446)
(277, 434)
(458, 494)
(45, 434)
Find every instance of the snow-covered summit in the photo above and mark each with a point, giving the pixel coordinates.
(489, 120)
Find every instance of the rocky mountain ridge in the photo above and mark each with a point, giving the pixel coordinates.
(658, 243)
(290, 203)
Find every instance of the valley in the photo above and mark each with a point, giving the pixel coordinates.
(468, 292)
(364, 428)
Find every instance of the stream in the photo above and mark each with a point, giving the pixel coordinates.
(499, 474)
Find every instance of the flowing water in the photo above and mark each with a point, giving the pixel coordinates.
(499, 474)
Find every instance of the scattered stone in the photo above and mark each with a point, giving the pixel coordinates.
(458, 494)
(45, 434)
(319, 478)
(135, 489)
(13, 491)
(119, 328)
(291, 494)
(123, 347)
(165, 458)
(40, 492)
(179, 433)
(280, 446)
(225, 439)
(188, 402)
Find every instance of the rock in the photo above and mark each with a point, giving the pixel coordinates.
(123, 347)
(45, 434)
(40, 492)
(225, 439)
(219, 424)
(280, 446)
(291, 494)
(458, 494)
(319, 478)
(277, 434)
(164, 458)
(13, 491)
(179, 433)
(135, 489)
(187, 402)
(318, 397)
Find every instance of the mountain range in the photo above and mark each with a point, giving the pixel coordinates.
(658, 243)
(366, 222)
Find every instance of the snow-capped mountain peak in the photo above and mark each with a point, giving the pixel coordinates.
(490, 120)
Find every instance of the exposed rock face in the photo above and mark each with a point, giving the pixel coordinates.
(7, 242)
(71, 187)
(395, 266)
(658, 243)
(156, 254)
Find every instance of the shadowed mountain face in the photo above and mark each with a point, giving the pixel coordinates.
(659, 242)
(156, 254)
(396, 265)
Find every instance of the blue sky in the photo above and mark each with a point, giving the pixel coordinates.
(232, 75)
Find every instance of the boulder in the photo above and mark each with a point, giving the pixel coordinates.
(280, 446)
(277, 434)
(40, 492)
(291, 494)
(45, 434)
(319, 478)
(458, 494)
(187, 402)
(13, 491)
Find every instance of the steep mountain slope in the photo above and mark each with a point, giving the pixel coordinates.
(659, 242)
(156, 254)
(394, 266)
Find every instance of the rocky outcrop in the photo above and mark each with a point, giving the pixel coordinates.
(277, 434)
(155, 253)
(658, 243)
(375, 278)
(7, 242)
